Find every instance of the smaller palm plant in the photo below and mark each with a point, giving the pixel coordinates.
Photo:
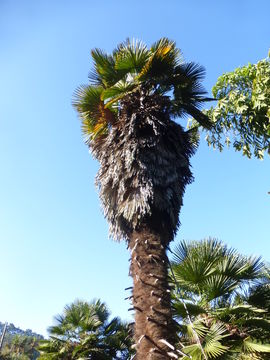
(85, 332)
(214, 308)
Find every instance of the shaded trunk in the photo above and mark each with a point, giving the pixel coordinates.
(154, 329)
(144, 169)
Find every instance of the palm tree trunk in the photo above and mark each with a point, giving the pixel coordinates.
(154, 329)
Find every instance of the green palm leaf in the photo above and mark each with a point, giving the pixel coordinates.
(193, 309)
(253, 346)
(164, 56)
(104, 72)
(131, 56)
(212, 269)
(95, 117)
(210, 341)
(257, 323)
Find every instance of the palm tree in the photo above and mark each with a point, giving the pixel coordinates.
(128, 114)
(84, 332)
(213, 306)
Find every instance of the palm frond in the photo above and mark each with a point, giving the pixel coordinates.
(259, 295)
(131, 56)
(194, 263)
(189, 94)
(212, 268)
(104, 69)
(117, 92)
(257, 323)
(199, 328)
(164, 56)
(95, 116)
(252, 346)
(238, 310)
(180, 252)
(211, 343)
(193, 309)
(253, 269)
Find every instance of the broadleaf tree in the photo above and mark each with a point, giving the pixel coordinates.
(242, 113)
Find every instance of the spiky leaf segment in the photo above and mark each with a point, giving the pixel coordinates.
(127, 113)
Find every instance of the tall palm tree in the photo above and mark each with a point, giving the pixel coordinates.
(128, 114)
(219, 293)
(85, 332)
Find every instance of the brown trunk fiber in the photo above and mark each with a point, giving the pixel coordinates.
(155, 334)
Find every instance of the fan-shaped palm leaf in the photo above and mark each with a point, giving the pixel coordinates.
(255, 347)
(212, 270)
(210, 341)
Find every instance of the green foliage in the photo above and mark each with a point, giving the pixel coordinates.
(20, 347)
(211, 338)
(133, 67)
(242, 113)
(209, 269)
(85, 332)
(260, 295)
(220, 289)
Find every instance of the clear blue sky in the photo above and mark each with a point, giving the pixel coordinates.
(54, 240)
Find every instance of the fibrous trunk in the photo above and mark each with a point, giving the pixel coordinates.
(154, 332)
(144, 168)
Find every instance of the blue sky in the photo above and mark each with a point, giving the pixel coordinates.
(54, 244)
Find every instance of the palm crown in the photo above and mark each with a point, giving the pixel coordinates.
(131, 67)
